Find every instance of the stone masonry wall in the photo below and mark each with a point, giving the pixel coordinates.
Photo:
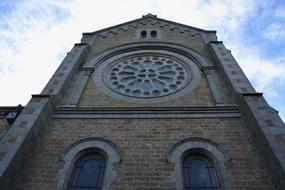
(165, 35)
(94, 97)
(200, 96)
(144, 145)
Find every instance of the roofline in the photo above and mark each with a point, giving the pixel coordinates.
(11, 108)
(109, 28)
(146, 17)
(187, 26)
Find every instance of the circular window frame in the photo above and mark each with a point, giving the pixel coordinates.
(107, 57)
(187, 75)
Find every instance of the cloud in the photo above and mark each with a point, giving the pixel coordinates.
(28, 22)
(280, 12)
(217, 14)
(268, 75)
(28, 48)
(274, 32)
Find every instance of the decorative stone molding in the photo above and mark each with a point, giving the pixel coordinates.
(152, 20)
(171, 47)
(85, 146)
(186, 78)
(147, 113)
(147, 76)
(202, 146)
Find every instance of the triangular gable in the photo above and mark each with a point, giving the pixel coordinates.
(149, 18)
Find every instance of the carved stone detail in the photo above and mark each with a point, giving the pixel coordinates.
(147, 76)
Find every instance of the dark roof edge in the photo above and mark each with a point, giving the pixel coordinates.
(144, 18)
(11, 108)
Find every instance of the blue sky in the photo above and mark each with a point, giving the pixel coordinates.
(35, 35)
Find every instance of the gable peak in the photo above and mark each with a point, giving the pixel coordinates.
(149, 15)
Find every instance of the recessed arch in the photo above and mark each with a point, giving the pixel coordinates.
(113, 77)
(180, 150)
(183, 50)
(83, 147)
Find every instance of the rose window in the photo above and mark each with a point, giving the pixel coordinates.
(147, 76)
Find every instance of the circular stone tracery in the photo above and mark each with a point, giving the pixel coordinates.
(147, 76)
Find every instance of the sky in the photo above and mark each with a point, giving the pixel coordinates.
(35, 35)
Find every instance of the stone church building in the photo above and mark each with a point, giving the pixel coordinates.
(147, 104)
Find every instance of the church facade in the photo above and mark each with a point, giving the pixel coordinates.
(147, 104)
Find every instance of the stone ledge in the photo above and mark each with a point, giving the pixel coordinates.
(216, 42)
(81, 44)
(40, 95)
(147, 113)
(252, 94)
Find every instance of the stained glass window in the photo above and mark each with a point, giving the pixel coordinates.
(200, 173)
(88, 173)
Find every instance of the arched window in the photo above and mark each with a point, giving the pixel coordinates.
(153, 34)
(143, 34)
(88, 172)
(199, 173)
(199, 165)
(88, 165)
